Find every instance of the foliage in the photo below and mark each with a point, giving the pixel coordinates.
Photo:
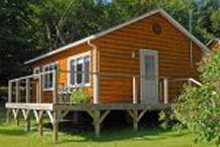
(215, 19)
(199, 107)
(29, 27)
(165, 117)
(203, 23)
(19, 36)
(79, 96)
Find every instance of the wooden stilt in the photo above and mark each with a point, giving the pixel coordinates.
(98, 118)
(136, 117)
(28, 121)
(135, 121)
(40, 123)
(97, 123)
(55, 126)
(17, 118)
(8, 116)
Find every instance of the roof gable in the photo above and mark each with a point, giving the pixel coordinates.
(97, 35)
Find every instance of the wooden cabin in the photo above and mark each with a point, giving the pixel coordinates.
(147, 50)
(138, 66)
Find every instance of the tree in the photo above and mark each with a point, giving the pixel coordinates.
(215, 19)
(18, 36)
(199, 107)
(203, 25)
(70, 20)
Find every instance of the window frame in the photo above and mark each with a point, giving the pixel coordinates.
(37, 68)
(43, 69)
(75, 58)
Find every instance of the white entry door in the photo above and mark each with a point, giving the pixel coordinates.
(149, 76)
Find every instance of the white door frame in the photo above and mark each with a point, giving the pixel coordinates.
(155, 53)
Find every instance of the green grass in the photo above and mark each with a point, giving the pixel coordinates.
(11, 136)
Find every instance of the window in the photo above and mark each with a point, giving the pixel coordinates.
(48, 77)
(79, 67)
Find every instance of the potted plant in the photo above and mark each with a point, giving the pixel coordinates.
(79, 96)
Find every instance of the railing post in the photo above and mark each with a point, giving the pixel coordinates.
(96, 88)
(189, 82)
(134, 83)
(9, 91)
(9, 100)
(165, 84)
(39, 85)
(17, 97)
(27, 90)
(161, 90)
(55, 81)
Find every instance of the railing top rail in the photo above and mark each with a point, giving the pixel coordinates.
(195, 82)
(31, 76)
(76, 72)
(109, 73)
(185, 79)
(177, 79)
(105, 74)
(101, 73)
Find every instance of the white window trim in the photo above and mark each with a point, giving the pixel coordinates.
(75, 57)
(43, 69)
(36, 69)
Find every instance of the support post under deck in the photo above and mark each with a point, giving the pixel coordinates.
(97, 123)
(136, 117)
(98, 118)
(41, 127)
(135, 121)
(8, 116)
(55, 126)
(17, 119)
(28, 121)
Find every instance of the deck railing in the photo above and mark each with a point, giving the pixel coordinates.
(27, 84)
(175, 87)
(29, 81)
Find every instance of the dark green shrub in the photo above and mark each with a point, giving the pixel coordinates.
(198, 108)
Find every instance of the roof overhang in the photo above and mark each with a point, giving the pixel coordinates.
(95, 36)
(212, 40)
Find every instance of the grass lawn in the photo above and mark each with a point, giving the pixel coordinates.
(13, 136)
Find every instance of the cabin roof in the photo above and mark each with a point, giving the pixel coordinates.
(212, 40)
(97, 35)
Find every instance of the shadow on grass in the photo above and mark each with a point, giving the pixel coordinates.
(12, 132)
(115, 129)
(115, 134)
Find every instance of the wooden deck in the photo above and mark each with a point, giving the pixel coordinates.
(56, 112)
(85, 107)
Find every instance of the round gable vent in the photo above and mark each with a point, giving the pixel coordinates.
(156, 28)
